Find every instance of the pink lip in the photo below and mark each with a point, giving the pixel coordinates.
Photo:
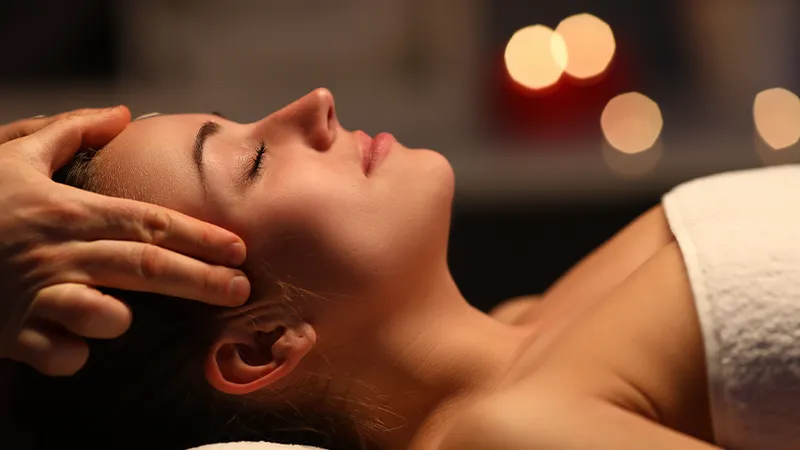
(373, 151)
(365, 144)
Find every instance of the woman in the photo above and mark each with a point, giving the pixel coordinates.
(355, 335)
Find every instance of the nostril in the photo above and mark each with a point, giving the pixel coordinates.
(331, 116)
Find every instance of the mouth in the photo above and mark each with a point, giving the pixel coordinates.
(373, 150)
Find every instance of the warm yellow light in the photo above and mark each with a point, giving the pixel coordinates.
(777, 117)
(590, 45)
(631, 122)
(536, 57)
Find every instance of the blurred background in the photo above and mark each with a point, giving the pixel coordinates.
(563, 120)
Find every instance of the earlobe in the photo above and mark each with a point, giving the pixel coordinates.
(243, 361)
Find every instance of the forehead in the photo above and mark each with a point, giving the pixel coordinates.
(151, 160)
(171, 127)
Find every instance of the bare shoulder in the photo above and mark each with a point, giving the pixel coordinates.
(499, 421)
(599, 272)
(628, 373)
(641, 348)
(612, 262)
(528, 418)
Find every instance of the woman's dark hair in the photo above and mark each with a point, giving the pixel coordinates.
(147, 389)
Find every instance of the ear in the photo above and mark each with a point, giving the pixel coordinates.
(247, 358)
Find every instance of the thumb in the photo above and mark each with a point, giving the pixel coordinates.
(56, 144)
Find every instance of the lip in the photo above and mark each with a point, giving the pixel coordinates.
(381, 146)
(374, 150)
(365, 144)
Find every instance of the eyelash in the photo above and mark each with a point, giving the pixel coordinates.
(257, 160)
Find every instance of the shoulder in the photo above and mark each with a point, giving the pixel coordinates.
(641, 348)
(568, 424)
(616, 259)
(499, 421)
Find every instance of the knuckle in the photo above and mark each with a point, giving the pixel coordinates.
(210, 285)
(61, 213)
(71, 119)
(40, 256)
(42, 264)
(70, 130)
(72, 126)
(156, 226)
(206, 237)
(150, 263)
(212, 282)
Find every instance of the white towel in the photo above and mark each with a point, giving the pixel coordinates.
(253, 446)
(740, 238)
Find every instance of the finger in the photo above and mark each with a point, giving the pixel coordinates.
(22, 128)
(54, 145)
(25, 127)
(143, 267)
(79, 112)
(82, 310)
(50, 350)
(122, 219)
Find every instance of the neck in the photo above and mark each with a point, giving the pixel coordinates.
(428, 356)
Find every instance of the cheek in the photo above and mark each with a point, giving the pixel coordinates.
(305, 228)
(324, 231)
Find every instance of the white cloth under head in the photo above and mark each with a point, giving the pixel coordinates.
(253, 446)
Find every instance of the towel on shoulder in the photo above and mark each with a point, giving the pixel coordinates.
(739, 234)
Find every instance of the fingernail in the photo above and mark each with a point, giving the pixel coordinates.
(239, 290)
(236, 254)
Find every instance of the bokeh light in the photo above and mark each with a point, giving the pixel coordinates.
(777, 117)
(536, 57)
(631, 122)
(590, 45)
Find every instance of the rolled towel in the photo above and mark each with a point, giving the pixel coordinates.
(739, 234)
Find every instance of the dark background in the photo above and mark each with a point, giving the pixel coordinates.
(512, 239)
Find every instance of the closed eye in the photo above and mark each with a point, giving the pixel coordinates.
(258, 162)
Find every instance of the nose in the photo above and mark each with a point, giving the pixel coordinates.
(314, 115)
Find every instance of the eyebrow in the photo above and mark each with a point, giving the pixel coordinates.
(207, 130)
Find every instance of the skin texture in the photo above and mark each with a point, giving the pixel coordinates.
(376, 310)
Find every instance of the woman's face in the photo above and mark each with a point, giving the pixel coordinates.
(293, 185)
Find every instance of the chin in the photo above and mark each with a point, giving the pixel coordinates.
(439, 170)
(427, 224)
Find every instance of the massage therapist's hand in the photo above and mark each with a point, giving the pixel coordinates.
(58, 242)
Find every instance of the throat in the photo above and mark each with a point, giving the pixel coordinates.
(431, 366)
